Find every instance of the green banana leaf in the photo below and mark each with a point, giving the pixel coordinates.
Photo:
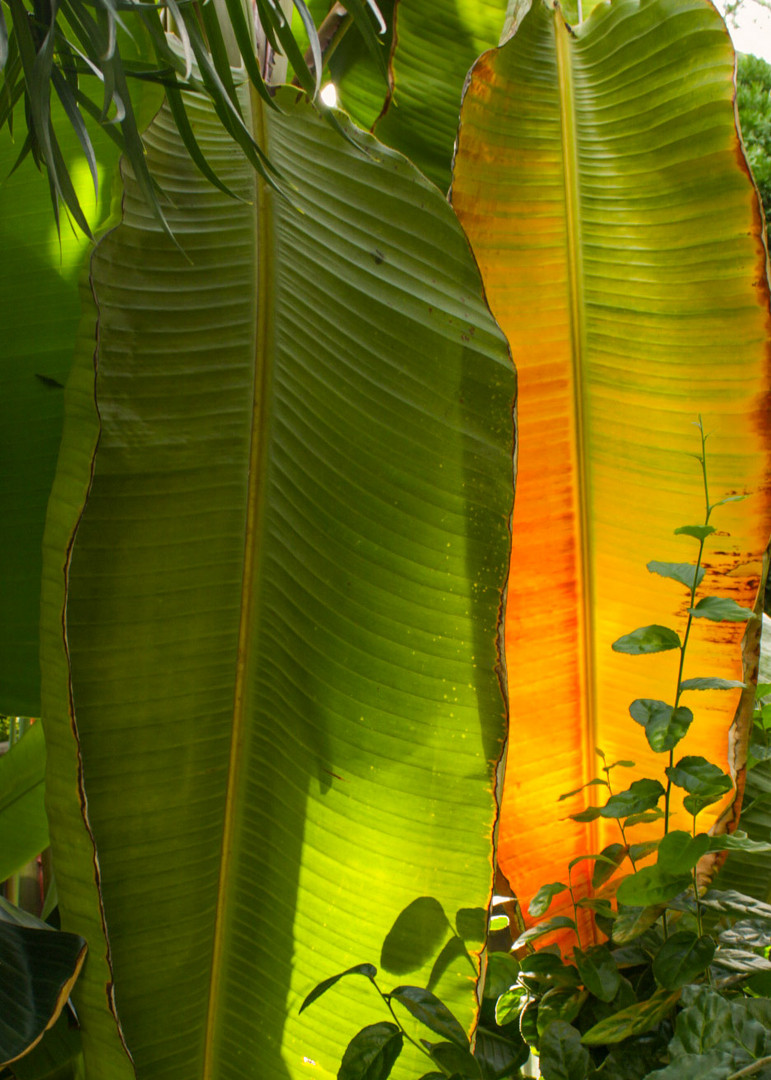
(23, 821)
(39, 314)
(436, 43)
(38, 967)
(280, 648)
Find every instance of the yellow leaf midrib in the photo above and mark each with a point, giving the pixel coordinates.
(263, 324)
(577, 318)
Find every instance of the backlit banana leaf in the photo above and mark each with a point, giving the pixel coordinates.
(282, 606)
(436, 43)
(23, 821)
(39, 312)
(603, 187)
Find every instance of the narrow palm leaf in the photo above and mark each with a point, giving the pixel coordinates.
(602, 184)
(282, 600)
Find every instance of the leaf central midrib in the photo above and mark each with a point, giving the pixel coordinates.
(564, 48)
(263, 330)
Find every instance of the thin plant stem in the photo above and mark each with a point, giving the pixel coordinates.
(387, 999)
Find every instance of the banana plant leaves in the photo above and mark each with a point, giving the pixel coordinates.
(39, 313)
(436, 43)
(38, 967)
(602, 184)
(275, 683)
(23, 821)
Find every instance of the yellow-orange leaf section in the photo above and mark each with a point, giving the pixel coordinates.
(601, 181)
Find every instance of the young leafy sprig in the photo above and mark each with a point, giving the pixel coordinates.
(588, 991)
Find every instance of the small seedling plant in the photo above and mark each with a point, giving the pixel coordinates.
(676, 990)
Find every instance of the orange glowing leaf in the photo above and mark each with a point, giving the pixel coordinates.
(601, 181)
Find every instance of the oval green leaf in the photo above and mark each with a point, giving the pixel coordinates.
(429, 1010)
(682, 957)
(647, 639)
(562, 1057)
(541, 902)
(664, 725)
(686, 573)
(649, 887)
(699, 777)
(640, 796)
(720, 609)
(598, 971)
(371, 1053)
(632, 1021)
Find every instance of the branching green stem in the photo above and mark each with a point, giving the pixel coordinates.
(387, 999)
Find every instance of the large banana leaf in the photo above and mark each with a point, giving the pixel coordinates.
(436, 43)
(23, 821)
(601, 181)
(278, 691)
(39, 313)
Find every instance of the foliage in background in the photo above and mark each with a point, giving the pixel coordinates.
(753, 100)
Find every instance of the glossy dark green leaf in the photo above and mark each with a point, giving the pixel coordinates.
(38, 968)
(598, 971)
(641, 795)
(700, 777)
(501, 973)
(560, 1003)
(429, 1010)
(679, 852)
(633, 921)
(650, 886)
(369, 971)
(541, 902)
(643, 849)
(647, 639)
(558, 922)
(699, 532)
(528, 1024)
(682, 957)
(632, 1021)
(685, 573)
(371, 1053)
(645, 819)
(613, 857)
(710, 683)
(664, 725)
(591, 813)
(714, 1065)
(454, 1059)
(561, 1056)
(499, 1056)
(720, 609)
